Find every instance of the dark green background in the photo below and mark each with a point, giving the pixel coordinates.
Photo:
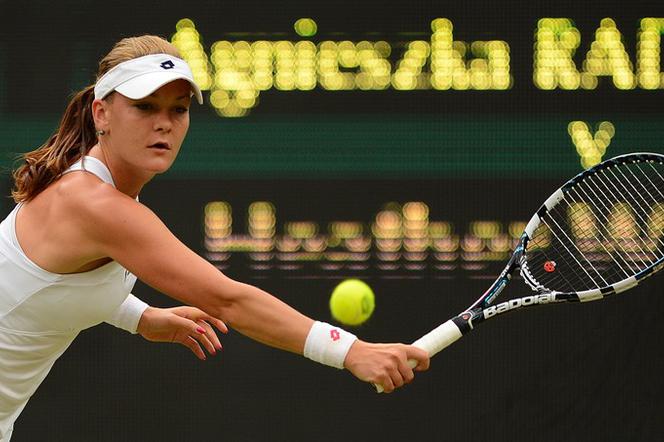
(373, 146)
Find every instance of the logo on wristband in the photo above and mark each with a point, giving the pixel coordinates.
(334, 334)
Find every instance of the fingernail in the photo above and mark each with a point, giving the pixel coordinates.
(200, 330)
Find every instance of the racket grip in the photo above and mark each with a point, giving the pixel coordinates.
(433, 342)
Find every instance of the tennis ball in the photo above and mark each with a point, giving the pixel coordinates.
(352, 302)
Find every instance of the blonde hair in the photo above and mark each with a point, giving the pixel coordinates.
(76, 133)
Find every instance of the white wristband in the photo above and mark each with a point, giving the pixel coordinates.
(128, 314)
(327, 344)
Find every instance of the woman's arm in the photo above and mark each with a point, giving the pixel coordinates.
(125, 230)
(134, 236)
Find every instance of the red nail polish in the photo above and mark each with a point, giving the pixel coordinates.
(200, 330)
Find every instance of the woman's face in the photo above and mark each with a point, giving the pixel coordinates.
(146, 134)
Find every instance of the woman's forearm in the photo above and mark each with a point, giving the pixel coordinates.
(263, 317)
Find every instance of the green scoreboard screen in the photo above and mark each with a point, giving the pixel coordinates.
(365, 89)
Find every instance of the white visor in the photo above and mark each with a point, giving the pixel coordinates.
(139, 77)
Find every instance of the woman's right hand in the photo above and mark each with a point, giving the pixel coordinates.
(385, 364)
(184, 325)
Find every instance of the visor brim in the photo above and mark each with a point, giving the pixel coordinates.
(144, 85)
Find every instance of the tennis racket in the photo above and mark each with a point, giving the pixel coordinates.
(601, 233)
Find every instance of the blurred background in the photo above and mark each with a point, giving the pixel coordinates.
(405, 145)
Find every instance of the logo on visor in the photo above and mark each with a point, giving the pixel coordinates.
(167, 65)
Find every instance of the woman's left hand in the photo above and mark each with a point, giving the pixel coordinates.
(185, 325)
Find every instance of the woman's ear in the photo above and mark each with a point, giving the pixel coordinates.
(100, 111)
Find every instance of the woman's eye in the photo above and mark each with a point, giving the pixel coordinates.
(181, 110)
(144, 106)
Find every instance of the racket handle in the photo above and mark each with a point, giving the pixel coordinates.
(439, 338)
(433, 342)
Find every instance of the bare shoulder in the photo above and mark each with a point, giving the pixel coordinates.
(88, 200)
(65, 228)
(106, 217)
(84, 193)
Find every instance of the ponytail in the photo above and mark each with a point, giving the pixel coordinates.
(72, 140)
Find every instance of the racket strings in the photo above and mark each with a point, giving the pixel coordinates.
(645, 200)
(647, 209)
(606, 228)
(638, 249)
(587, 237)
(623, 261)
(621, 220)
(573, 251)
(548, 253)
(596, 237)
(656, 196)
(584, 270)
(563, 245)
(605, 238)
(639, 194)
(628, 220)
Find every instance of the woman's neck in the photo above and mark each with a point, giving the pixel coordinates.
(126, 180)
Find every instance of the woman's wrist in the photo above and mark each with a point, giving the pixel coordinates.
(144, 321)
(328, 344)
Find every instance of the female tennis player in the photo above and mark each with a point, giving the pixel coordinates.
(71, 247)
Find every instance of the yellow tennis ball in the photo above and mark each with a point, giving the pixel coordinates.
(352, 302)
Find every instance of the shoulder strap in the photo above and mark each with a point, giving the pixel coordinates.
(94, 166)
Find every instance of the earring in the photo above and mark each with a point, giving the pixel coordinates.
(100, 132)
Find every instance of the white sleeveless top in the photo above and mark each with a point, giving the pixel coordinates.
(42, 312)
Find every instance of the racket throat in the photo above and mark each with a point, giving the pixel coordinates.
(464, 322)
